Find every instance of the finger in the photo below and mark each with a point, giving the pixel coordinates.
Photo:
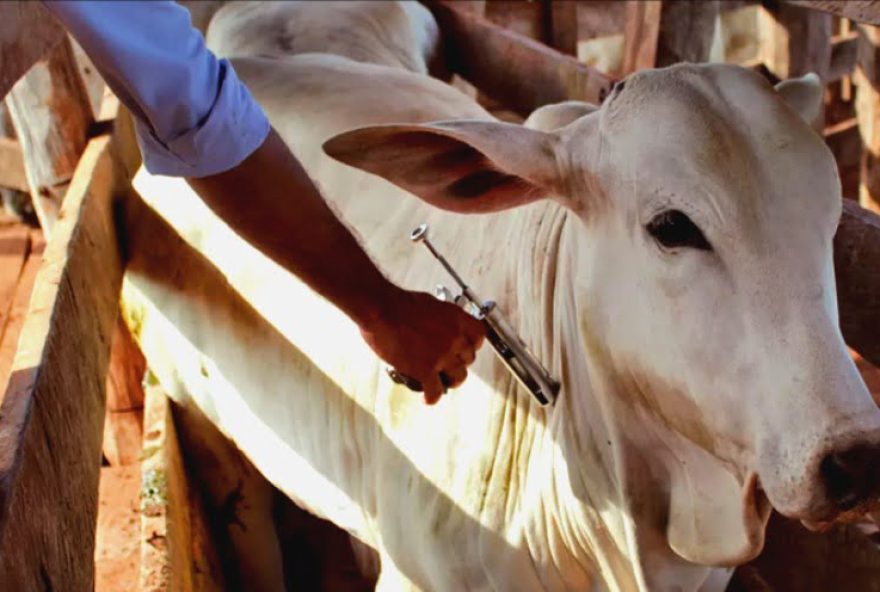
(473, 330)
(433, 389)
(467, 355)
(455, 376)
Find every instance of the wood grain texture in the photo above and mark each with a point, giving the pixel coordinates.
(856, 261)
(484, 54)
(843, 56)
(123, 422)
(686, 31)
(12, 175)
(176, 550)
(867, 80)
(640, 35)
(863, 11)
(51, 113)
(53, 407)
(27, 33)
(795, 41)
(17, 312)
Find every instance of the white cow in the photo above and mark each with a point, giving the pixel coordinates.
(669, 260)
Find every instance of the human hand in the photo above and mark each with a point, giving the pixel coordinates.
(421, 337)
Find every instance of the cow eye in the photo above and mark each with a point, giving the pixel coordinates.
(673, 228)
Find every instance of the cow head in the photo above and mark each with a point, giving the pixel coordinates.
(706, 208)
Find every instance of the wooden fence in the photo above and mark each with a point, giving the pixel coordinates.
(77, 165)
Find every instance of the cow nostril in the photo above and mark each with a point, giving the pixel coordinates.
(846, 475)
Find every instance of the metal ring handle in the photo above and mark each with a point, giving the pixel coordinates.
(413, 384)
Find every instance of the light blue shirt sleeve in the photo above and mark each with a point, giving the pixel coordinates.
(193, 116)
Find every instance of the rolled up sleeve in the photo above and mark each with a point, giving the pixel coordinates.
(193, 115)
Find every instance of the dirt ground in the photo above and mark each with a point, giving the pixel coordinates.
(117, 549)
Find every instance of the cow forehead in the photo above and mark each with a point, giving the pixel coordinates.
(720, 137)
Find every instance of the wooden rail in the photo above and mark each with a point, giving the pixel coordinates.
(862, 11)
(27, 33)
(53, 408)
(485, 55)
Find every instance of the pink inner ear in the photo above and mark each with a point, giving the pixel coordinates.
(441, 170)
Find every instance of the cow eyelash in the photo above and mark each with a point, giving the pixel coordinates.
(673, 229)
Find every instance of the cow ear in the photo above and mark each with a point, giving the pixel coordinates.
(558, 115)
(462, 166)
(804, 96)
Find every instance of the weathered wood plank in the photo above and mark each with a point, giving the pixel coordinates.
(12, 175)
(53, 408)
(857, 268)
(27, 33)
(867, 79)
(563, 25)
(843, 56)
(51, 113)
(661, 33)
(863, 11)
(123, 422)
(795, 41)
(483, 53)
(175, 551)
(18, 310)
(686, 31)
(843, 139)
(14, 247)
(640, 35)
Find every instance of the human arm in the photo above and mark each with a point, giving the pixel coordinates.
(195, 119)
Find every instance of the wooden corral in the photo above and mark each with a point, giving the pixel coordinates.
(73, 392)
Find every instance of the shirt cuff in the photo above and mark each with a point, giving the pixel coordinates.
(233, 129)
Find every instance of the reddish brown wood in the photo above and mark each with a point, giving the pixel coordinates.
(483, 54)
(686, 31)
(857, 267)
(867, 78)
(843, 56)
(123, 422)
(12, 175)
(796, 41)
(51, 113)
(14, 247)
(53, 408)
(641, 34)
(20, 303)
(27, 33)
(524, 18)
(563, 24)
(176, 550)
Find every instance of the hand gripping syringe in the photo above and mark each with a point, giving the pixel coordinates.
(515, 355)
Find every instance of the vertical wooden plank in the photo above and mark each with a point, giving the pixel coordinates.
(563, 20)
(867, 79)
(18, 310)
(640, 35)
(662, 33)
(796, 41)
(53, 408)
(51, 113)
(686, 31)
(175, 553)
(123, 422)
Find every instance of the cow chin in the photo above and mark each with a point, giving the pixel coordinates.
(715, 518)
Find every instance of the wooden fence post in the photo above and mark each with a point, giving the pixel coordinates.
(661, 33)
(867, 78)
(795, 41)
(51, 113)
